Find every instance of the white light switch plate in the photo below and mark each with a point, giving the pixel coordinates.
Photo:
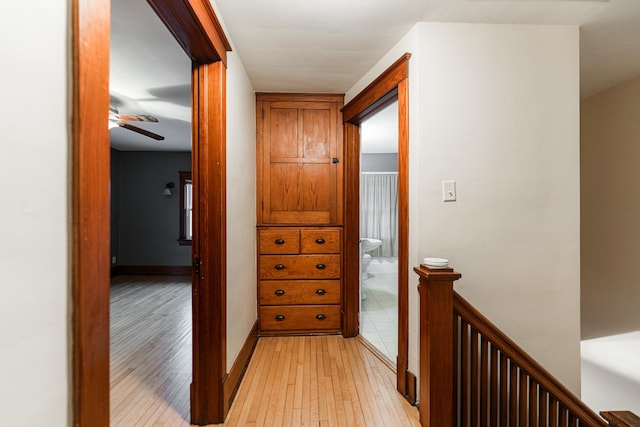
(448, 191)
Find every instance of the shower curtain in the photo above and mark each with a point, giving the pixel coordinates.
(379, 210)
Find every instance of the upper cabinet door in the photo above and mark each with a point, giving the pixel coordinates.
(299, 142)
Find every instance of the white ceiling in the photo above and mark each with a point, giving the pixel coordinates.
(326, 46)
(149, 74)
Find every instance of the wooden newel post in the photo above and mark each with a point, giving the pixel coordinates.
(436, 345)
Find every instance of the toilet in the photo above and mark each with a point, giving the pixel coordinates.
(364, 266)
(367, 244)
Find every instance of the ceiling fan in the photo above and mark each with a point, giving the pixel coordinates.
(116, 119)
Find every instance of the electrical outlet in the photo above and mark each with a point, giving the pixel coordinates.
(113, 260)
(448, 191)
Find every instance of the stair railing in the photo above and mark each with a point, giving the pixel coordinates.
(473, 375)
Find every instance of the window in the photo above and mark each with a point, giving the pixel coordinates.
(186, 209)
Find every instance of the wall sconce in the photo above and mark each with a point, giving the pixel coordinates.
(168, 188)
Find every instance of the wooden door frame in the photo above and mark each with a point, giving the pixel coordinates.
(391, 85)
(197, 30)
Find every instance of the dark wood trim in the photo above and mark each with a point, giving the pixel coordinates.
(151, 270)
(621, 418)
(351, 231)
(377, 353)
(403, 236)
(195, 27)
(412, 388)
(436, 345)
(392, 84)
(362, 105)
(233, 379)
(210, 244)
(90, 213)
(300, 97)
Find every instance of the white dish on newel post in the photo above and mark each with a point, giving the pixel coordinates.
(432, 262)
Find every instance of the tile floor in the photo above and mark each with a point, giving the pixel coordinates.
(379, 310)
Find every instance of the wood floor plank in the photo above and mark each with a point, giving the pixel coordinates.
(290, 381)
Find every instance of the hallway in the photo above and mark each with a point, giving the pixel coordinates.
(291, 381)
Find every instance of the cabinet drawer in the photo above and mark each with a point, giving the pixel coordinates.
(320, 241)
(287, 292)
(299, 266)
(279, 241)
(300, 318)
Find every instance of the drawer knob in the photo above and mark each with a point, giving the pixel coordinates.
(320, 241)
(321, 292)
(321, 266)
(279, 292)
(279, 242)
(279, 267)
(321, 317)
(279, 317)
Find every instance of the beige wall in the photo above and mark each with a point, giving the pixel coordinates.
(241, 207)
(610, 206)
(496, 108)
(34, 237)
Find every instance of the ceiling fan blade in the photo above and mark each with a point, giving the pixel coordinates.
(141, 131)
(137, 118)
(114, 114)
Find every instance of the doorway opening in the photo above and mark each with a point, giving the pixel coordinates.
(379, 231)
(390, 87)
(194, 24)
(150, 291)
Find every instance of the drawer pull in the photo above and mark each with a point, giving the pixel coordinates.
(279, 267)
(321, 266)
(321, 317)
(279, 242)
(279, 292)
(320, 241)
(279, 317)
(321, 292)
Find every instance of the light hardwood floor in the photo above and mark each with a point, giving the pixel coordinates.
(291, 381)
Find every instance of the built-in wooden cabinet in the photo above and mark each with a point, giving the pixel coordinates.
(299, 213)
(299, 285)
(299, 149)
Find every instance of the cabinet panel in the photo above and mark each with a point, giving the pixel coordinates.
(298, 179)
(299, 267)
(300, 318)
(314, 188)
(284, 133)
(316, 128)
(288, 292)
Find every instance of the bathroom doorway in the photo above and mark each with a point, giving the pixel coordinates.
(389, 87)
(379, 231)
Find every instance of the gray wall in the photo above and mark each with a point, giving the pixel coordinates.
(145, 223)
(379, 162)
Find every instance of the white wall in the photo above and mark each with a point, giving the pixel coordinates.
(241, 203)
(497, 111)
(610, 154)
(34, 274)
(241, 207)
